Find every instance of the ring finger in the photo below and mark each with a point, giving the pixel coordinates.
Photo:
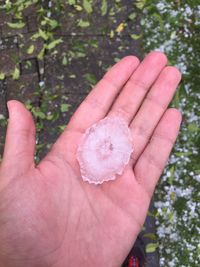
(153, 107)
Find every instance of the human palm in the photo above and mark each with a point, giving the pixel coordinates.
(48, 215)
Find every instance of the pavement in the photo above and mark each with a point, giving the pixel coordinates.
(52, 87)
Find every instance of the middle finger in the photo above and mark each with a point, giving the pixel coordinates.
(131, 97)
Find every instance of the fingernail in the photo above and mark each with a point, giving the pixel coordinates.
(9, 106)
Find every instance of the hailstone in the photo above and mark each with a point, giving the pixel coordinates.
(104, 150)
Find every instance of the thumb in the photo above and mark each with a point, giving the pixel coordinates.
(20, 138)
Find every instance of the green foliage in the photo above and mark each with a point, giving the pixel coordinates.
(54, 43)
(87, 6)
(31, 49)
(17, 25)
(90, 78)
(132, 16)
(151, 247)
(65, 107)
(173, 27)
(104, 7)
(83, 23)
(2, 76)
(78, 7)
(136, 36)
(65, 60)
(51, 23)
(140, 4)
(16, 74)
(151, 236)
(71, 2)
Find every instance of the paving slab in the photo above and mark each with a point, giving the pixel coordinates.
(8, 31)
(32, 23)
(31, 10)
(25, 89)
(4, 17)
(94, 23)
(9, 60)
(87, 58)
(7, 43)
(26, 42)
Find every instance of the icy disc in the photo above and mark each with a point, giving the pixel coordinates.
(105, 150)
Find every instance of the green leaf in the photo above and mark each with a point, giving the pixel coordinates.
(40, 56)
(54, 43)
(28, 106)
(140, 4)
(83, 23)
(132, 16)
(65, 61)
(151, 247)
(104, 7)
(2, 76)
(80, 54)
(150, 236)
(198, 249)
(136, 36)
(16, 25)
(43, 34)
(49, 117)
(53, 23)
(41, 115)
(16, 74)
(159, 18)
(142, 22)
(31, 49)
(172, 196)
(38, 113)
(90, 78)
(87, 6)
(71, 2)
(8, 4)
(192, 127)
(78, 7)
(35, 36)
(62, 127)
(120, 27)
(179, 154)
(64, 107)
(171, 177)
(112, 33)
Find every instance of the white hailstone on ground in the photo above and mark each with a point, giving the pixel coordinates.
(105, 150)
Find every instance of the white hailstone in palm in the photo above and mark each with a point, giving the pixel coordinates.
(105, 150)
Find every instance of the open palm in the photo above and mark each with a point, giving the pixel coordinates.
(48, 215)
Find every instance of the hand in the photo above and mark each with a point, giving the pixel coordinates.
(48, 215)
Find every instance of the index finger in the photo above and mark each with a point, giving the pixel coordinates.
(99, 101)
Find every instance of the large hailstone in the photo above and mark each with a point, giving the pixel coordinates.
(104, 151)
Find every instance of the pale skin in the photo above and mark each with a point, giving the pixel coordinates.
(48, 215)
